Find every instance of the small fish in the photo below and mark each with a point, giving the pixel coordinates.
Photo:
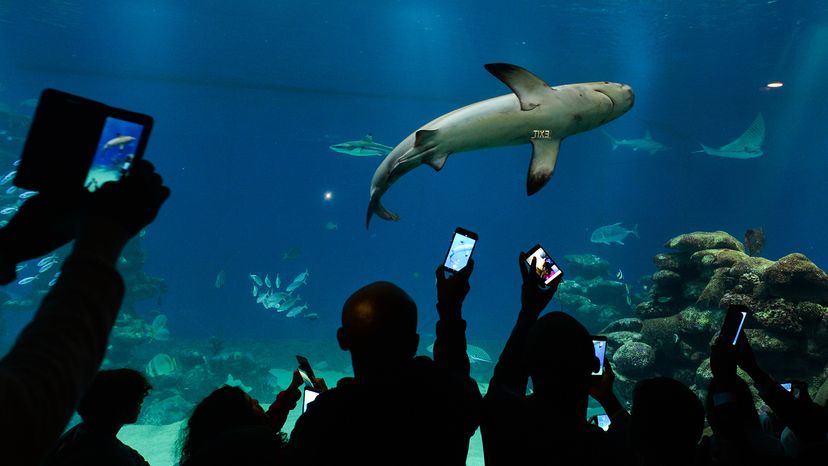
(47, 259)
(20, 267)
(16, 163)
(267, 281)
(665, 299)
(46, 266)
(256, 279)
(619, 275)
(330, 226)
(221, 278)
(296, 310)
(27, 194)
(3, 223)
(292, 253)
(11, 189)
(311, 316)
(53, 281)
(8, 177)
(255, 290)
(119, 141)
(278, 281)
(27, 280)
(8, 210)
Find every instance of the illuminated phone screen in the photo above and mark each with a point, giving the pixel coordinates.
(741, 323)
(600, 349)
(307, 398)
(787, 386)
(115, 152)
(459, 252)
(603, 421)
(545, 267)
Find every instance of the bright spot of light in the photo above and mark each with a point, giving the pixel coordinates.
(328, 196)
(775, 85)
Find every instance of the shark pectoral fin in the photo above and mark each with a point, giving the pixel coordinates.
(524, 84)
(544, 157)
(437, 162)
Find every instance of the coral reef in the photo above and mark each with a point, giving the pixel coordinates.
(588, 294)
(694, 283)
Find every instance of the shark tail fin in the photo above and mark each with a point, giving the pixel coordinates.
(376, 207)
(704, 149)
(635, 231)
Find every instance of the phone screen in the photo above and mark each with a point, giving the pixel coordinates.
(600, 349)
(603, 421)
(733, 323)
(115, 152)
(545, 267)
(787, 386)
(460, 250)
(306, 378)
(307, 398)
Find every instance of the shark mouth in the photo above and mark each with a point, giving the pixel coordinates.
(612, 102)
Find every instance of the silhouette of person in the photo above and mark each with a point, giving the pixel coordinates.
(666, 423)
(229, 427)
(113, 399)
(548, 426)
(56, 356)
(398, 408)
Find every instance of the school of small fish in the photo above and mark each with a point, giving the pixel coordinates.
(266, 293)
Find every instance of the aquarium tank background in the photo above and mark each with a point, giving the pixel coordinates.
(710, 190)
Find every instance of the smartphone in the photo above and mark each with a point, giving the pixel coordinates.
(545, 267)
(308, 395)
(733, 323)
(306, 372)
(460, 250)
(603, 421)
(600, 345)
(77, 142)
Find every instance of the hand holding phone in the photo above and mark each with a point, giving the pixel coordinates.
(306, 372)
(75, 142)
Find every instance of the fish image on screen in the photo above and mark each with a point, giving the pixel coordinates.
(459, 252)
(115, 152)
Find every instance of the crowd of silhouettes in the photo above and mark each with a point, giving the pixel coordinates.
(398, 408)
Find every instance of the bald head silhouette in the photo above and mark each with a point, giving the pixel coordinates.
(379, 328)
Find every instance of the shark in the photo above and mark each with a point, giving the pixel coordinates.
(646, 144)
(365, 147)
(746, 146)
(533, 113)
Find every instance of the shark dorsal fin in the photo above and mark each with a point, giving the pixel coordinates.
(544, 158)
(523, 83)
(647, 135)
(368, 137)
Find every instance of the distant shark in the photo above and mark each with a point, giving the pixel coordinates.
(647, 143)
(746, 146)
(533, 113)
(365, 147)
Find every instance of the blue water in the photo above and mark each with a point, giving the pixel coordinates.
(248, 95)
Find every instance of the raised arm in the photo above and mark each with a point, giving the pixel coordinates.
(511, 375)
(55, 357)
(450, 345)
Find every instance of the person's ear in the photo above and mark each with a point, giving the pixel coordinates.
(342, 339)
